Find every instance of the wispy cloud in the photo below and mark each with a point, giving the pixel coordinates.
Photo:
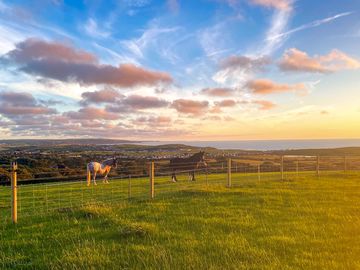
(272, 37)
(138, 46)
(278, 25)
(278, 4)
(92, 29)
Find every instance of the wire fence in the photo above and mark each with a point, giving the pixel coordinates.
(40, 196)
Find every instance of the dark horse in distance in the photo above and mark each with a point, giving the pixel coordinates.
(189, 164)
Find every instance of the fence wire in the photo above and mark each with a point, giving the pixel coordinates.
(49, 194)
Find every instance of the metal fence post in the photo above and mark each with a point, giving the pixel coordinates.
(152, 176)
(14, 191)
(229, 173)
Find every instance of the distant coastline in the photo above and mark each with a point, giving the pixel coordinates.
(263, 145)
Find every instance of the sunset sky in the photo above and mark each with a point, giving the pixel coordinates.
(180, 69)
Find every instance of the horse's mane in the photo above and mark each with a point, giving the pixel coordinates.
(108, 162)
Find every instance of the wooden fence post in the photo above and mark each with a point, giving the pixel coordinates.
(88, 177)
(297, 168)
(259, 171)
(229, 173)
(129, 187)
(152, 176)
(345, 167)
(282, 167)
(14, 191)
(318, 166)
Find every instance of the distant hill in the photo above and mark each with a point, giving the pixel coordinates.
(127, 145)
(51, 142)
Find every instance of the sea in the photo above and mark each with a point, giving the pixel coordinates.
(264, 145)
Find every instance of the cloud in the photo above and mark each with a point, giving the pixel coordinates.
(245, 62)
(296, 60)
(226, 103)
(265, 86)
(92, 29)
(278, 4)
(150, 38)
(153, 121)
(92, 113)
(133, 103)
(18, 104)
(238, 69)
(217, 92)
(281, 35)
(106, 95)
(264, 104)
(145, 102)
(192, 107)
(35, 49)
(273, 39)
(64, 63)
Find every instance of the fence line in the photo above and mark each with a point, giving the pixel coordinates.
(40, 197)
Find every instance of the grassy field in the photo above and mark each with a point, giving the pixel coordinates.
(304, 222)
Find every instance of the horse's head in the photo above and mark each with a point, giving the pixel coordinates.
(201, 159)
(114, 163)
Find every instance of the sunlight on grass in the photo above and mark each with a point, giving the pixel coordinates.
(308, 223)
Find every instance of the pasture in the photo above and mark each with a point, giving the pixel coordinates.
(303, 222)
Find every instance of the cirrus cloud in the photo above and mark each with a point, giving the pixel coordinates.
(237, 69)
(278, 4)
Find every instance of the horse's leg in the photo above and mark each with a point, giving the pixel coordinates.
(94, 178)
(173, 177)
(193, 176)
(189, 176)
(106, 179)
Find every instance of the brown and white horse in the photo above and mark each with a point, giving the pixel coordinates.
(102, 168)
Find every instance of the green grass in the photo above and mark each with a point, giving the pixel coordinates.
(304, 222)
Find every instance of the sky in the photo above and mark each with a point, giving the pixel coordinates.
(180, 69)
